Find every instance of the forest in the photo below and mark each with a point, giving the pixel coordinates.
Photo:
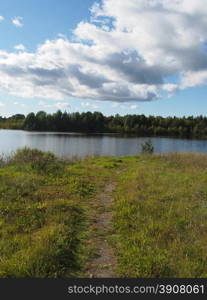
(96, 122)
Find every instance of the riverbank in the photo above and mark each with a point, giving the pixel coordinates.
(145, 216)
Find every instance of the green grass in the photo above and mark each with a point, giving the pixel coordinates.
(160, 220)
(46, 206)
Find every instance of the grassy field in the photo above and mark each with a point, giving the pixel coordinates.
(160, 217)
(47, 208)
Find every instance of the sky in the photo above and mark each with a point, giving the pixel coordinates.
(113, 56)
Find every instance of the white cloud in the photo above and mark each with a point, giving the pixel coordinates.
(17, 21)
(20, 47)
(192, 79)
(170, 87)
(127, 53)
(2, 104)
(1, 18)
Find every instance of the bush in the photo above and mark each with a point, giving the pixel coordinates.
(147, 147)
(38, 160)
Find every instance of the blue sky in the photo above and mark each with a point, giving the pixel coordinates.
(42, 20)
(60, 55)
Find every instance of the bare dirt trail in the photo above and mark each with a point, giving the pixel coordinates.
(104, 265)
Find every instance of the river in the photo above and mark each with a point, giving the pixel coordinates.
(70, 144)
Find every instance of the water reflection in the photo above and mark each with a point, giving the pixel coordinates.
(69, 144)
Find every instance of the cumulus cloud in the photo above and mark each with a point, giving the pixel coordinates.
(1, 18)
(129, 51)
(170, 87)
(17, 21)
(192, 79)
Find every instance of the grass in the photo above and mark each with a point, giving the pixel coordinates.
(47, 208)
(160, 220)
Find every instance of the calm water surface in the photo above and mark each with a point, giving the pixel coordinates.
(69, 144)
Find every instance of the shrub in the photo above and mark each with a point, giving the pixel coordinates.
(38, 160)
(147, 147)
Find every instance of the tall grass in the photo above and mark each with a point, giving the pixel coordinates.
(47, 208)
(46, 204)
(160, 222)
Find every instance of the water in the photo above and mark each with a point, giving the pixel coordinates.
(69, 144)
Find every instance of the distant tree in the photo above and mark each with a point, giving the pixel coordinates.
(97, 122)
(41, 120)
(30, 122)
(17, 117)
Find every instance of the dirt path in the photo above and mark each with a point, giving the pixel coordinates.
(103, 266)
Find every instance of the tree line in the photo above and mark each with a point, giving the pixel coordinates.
(96, 122)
